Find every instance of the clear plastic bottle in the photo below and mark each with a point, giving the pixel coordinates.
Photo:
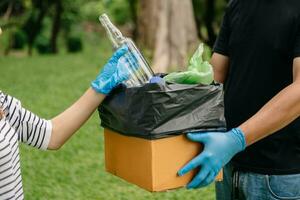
(140, 74)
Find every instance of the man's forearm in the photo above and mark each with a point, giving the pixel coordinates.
(276, 114)
(69, 121)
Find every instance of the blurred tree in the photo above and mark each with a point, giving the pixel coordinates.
(169, 28)
(119, 10)
(91, 10)
(133, 6)
(33, 25)
(197, 6)
(56, 25)
(208, 16)
(6, 17)
(10, 9)
(62, 13)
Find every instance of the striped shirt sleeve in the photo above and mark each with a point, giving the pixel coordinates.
(31, 129)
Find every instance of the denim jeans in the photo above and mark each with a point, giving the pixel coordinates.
(252, 186)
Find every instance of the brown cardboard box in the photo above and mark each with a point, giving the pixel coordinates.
(150, 164)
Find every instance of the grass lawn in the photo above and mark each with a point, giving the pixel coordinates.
(47, 85)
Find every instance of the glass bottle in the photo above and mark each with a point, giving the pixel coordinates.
(140, 71)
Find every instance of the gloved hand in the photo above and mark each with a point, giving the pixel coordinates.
(114, 72)
(219, 148)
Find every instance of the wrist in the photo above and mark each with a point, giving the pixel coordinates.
(99, 87)
(96, 94)
(239, 138)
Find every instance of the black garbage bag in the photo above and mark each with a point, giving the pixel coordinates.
(156, 111)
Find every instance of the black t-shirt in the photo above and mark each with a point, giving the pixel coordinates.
(261, 39)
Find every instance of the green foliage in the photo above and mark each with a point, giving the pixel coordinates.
(91, 10)
(74, 44)
(19, 40)
(220, 7)
(77, 11)
(72, 13)
(200, 11)
(30, 27)
(119, 10)
(42, 45)
(4, 41)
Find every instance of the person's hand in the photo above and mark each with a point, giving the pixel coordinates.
(219, 148)
(114, 72)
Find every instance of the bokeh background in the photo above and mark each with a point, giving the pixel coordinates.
(50, 50)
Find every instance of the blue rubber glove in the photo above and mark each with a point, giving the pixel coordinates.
(114, 72)
(219, 148)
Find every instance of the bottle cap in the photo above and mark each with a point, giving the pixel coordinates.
(157, 79)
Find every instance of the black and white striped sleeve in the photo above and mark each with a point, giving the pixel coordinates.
(34, 130)
(31, 129)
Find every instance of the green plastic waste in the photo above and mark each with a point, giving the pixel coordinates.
(199, 71)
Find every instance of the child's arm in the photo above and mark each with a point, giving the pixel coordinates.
(68, 122)
(52, 134)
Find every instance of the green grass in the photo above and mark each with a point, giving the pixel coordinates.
(47, 85)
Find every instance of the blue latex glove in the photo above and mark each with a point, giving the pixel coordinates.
(114, 72)
(219, 148)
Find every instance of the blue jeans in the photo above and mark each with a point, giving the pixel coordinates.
(250, 186)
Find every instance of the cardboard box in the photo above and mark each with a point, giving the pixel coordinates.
(150, 164)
